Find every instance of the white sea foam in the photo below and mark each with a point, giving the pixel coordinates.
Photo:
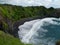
(38, 31)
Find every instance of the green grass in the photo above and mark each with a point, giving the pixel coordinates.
(6, 39)
(15, 13)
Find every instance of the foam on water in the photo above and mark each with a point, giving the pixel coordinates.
(41, 31)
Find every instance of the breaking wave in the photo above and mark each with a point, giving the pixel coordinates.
(44, 31)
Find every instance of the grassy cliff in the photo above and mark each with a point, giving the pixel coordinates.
(17, 12)
(10, 14)
(6, 39)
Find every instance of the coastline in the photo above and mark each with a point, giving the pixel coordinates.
(20, 22)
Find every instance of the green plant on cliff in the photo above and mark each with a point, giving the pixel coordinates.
(6, 39)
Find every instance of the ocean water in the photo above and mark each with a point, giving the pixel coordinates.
(44, 31)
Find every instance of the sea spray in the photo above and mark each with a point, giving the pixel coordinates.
(41, 31)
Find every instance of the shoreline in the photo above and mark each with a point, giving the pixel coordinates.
(20, 22)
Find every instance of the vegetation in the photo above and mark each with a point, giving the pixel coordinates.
(17, 12)
(11, 14)
(14, 13)
(6, 39)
